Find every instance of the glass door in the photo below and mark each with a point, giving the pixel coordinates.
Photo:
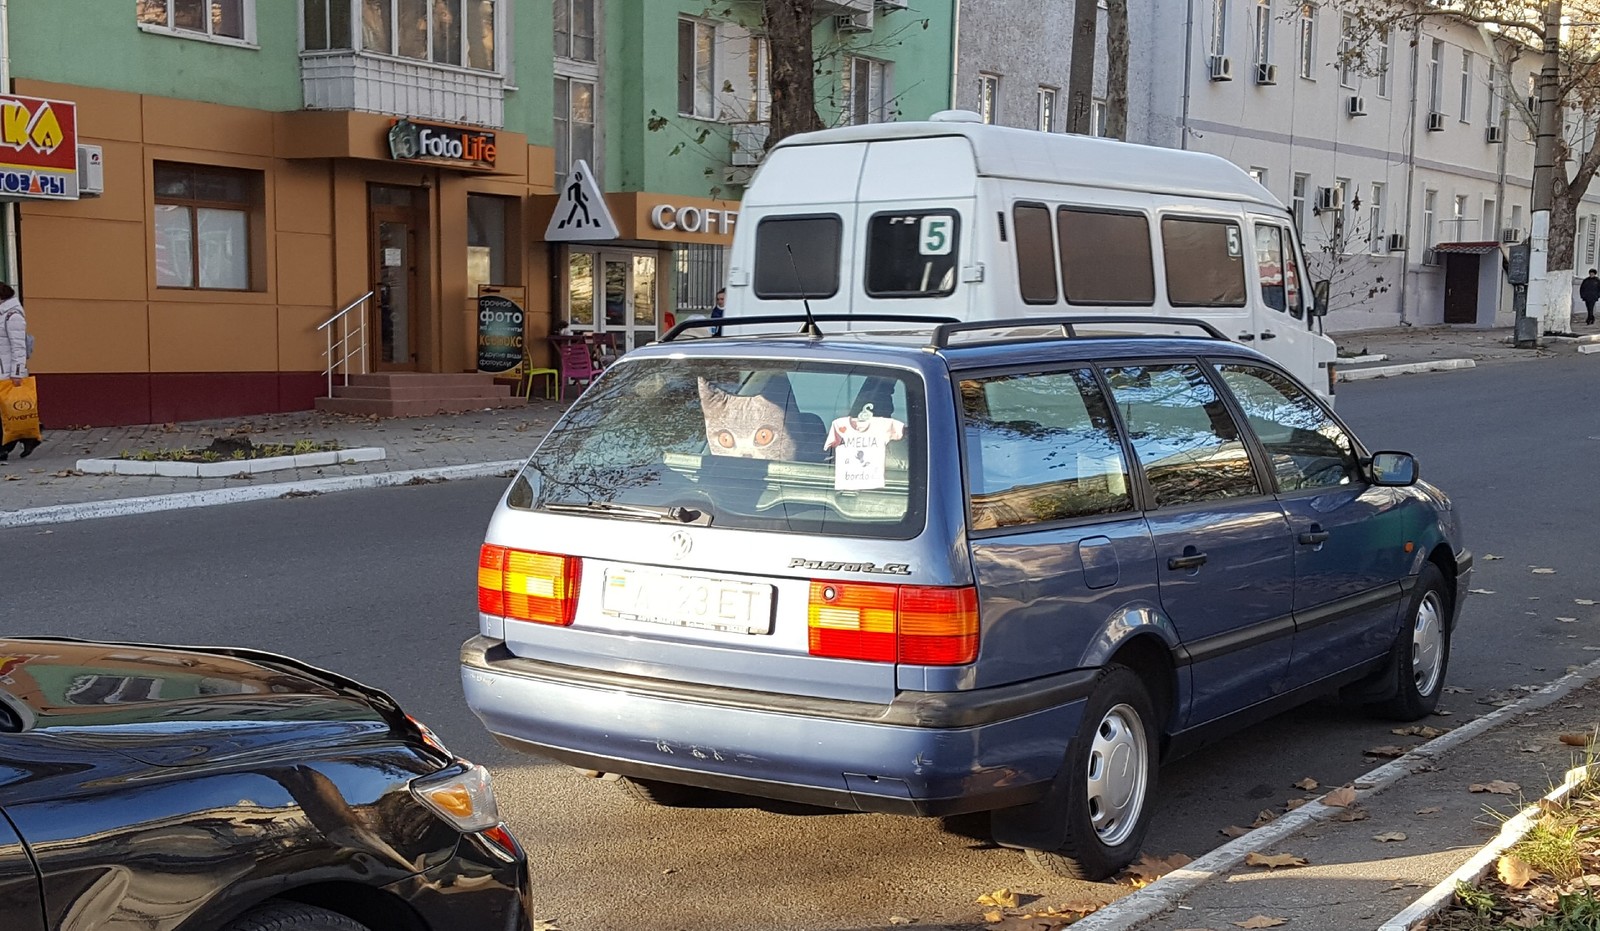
(394, 324)
(615, 293)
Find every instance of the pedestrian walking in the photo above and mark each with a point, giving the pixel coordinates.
(1590, 292)
(19, 402)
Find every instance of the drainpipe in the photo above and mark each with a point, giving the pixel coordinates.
(8, 210)
(1188, 74)
(955, 52)
(1411, 170)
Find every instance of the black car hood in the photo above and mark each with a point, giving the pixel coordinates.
(179, 706)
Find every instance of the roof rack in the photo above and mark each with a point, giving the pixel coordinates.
(1069, 326)
(719, 323)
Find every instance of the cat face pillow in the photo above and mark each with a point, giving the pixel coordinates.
(750, 427)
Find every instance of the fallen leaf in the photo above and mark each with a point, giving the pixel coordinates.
(1488, 556)
(1293, 803)
(1531, 748)
(546, 924)
(1567, 620)
(1495, 787)
(1264, 816)
(1575, 740)
(1148, 869)
(1000, 898)
(1417, 730)
(1456, 689)
(1542, 571)
(1583, 601)
(993, 917)
(1233, 830)
(1388, 751)
(1389, 837)
(1339, 797)
(1353, 813)
(1261, 921)
(1273, 861)
(1430, 810)
(1513, 871)
(1307, 784)
(1481, 591)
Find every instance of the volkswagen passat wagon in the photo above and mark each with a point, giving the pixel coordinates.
(1001, 566)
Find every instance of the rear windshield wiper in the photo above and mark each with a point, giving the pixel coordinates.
(660, 514)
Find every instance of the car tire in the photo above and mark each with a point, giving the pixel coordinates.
(292, 916)
(1421, 653)
(665, 794)
(1112, 769)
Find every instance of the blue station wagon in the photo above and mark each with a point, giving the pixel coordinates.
(1003, 566)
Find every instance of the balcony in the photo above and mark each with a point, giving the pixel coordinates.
(348, 80)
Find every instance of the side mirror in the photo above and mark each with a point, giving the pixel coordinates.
(1395, 470)
(1320, 289)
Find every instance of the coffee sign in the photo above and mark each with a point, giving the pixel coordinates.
(412, 140)
(500, 334)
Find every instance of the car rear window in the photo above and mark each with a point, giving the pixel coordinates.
(786, 446)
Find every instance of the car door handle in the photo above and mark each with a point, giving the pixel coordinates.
(1191, 559)
(1246, 337)
(1314, 536)
(1269, 335)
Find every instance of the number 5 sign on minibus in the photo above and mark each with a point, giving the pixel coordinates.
(935, 238)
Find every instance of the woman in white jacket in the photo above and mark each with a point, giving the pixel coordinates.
(13, 353)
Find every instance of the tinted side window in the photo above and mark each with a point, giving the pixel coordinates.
(913, 254)
(1105, 257)
(1036, 253)
(1306, 447)
(814, 269)
(1182, 434)
(1204, 262)
(1041, 447)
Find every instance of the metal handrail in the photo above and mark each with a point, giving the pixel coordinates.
(344, 344)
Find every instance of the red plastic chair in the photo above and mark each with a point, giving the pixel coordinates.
(575, 361)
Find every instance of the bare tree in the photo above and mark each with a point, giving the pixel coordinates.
(792, 72)
(1117, 69)
(1341, 252)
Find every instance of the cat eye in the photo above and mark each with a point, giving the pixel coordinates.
(764, 436)
(724, 439)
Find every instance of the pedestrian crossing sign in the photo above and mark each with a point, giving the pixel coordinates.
(581, 214)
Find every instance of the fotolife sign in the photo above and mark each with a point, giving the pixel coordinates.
(38, 149)
(500, 334)
(433, 142)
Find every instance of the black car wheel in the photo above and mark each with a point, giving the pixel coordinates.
(1112, 769)
(665, 794)
(292, 916)
(1421, 650)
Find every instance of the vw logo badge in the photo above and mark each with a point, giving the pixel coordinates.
(682, 543)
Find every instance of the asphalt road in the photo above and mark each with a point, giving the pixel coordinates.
(379, 585)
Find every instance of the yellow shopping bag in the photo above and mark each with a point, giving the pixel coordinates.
(19, 410)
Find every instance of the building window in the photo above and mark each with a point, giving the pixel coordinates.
(1385, 57)
(1430, 208)
(1308, 40)
(574, 21)
(201, 19)
(1488, 234)
(574, 109)
(1097, 117)
(989, 97)
(1047, 109)
(1495, 95)
(1466, 86)
(1297, 200)
(1589, 244)
(1259, 176)
(327, 24)
(1347, 52)
(1341, 196)
(1219, 28)
(203, 225)
(1436, 77)
(697, 43)
(1263, 32)
(1516, 217)
(866, 91)
(456, 33)
(1375, 234)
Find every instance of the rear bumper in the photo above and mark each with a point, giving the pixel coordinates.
(921, 754)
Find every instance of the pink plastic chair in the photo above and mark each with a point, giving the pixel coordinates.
(575, 361)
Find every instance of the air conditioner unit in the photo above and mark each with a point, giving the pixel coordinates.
(1436, 122)
(91, 171)
(1496, 135)
(1329, 198)
(853, 22)
(1266, 74)
(1397, 242)
(1430, 257)
(1511, 234)
(1221, 68)
(1356, 106)
(1533, 104)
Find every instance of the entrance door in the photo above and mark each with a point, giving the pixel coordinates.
(614, 292)
(1460, 288)
(397, 302)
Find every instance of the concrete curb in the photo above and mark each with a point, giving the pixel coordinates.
(1369, 359)
(1588, 338)
(124, 507)
(1165, 893)
(1404, 368)
(226, 467)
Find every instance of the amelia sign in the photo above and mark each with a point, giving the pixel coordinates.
(38, 149)
(409, 139)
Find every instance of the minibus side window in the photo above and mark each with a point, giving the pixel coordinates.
(1105, 257)
(1036, 254)
(812, 271)
(1291, 276)
(1204, 262)
(1269, 265)
(913, 253)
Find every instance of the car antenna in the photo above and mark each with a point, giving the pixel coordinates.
(805, 300)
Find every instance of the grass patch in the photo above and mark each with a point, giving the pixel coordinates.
(225, 449)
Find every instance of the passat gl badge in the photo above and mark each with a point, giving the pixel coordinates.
(682, 543)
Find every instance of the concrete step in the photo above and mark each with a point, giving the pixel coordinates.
(422, 392)
(419, 379)
(413, 407)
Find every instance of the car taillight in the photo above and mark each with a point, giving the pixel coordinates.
(523, 586)
(915, 624)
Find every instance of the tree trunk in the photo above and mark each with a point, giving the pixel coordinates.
(792, 70)
(1563, 221)
(1117, 69)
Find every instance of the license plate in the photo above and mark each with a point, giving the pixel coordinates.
(688, 601)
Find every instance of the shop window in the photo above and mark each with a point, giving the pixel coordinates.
(221, 20)
(486, 241)
(446, 32)
(696, 277)
(205, 225)
(1105, 257)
